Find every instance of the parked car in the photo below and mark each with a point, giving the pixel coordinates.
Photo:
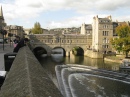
(1, 40)
(5, 40)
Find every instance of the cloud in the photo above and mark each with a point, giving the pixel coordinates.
(71, 22)
(112, 5)
(21, 9)
(28, 10)
(122, 18)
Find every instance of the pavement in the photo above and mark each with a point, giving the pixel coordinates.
(7, 49)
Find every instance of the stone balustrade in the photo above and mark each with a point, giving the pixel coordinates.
(27, 78)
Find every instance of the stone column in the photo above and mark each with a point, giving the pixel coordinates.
(67, 53)
(48, 53)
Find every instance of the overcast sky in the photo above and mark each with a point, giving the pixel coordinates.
(62, 13)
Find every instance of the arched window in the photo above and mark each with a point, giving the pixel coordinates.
(104, 40)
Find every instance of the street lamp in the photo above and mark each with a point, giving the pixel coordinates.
(10, 35)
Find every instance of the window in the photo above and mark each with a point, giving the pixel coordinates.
(105, 33)
(104, 40)
(105, 46)
(107, 40)
(63, 41)
(68, 41)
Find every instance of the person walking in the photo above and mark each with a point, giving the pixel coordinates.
(16, 41)
(23, 42)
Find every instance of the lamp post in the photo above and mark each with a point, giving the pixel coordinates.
(10, 35)
(3, 41)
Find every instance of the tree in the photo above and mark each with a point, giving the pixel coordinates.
(77, 51)
(3, 32)
(122, 43)
(37, 28)
(10, 34)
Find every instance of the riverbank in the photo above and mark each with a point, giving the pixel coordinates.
(116, 59)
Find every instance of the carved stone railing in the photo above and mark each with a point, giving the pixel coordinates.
(27, 78)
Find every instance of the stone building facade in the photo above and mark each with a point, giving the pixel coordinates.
(101, 31)
(86, 29)
(15, 30)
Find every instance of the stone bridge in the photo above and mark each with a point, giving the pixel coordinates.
(65, 41)
(27, 78)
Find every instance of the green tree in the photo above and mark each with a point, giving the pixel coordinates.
(3, 32)
(122, 43)
(77, 51)
(37, 28)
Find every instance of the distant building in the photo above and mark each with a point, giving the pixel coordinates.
(2, 22)
(86, 29)
(100, 32)
(15, 30)
(60, 31)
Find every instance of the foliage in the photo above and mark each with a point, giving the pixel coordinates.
(37, 28)
(122, 43)
(3, 32)
(10, 34)
(77, 51)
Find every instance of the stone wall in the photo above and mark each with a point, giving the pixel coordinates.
(27, 78)
(92, 54)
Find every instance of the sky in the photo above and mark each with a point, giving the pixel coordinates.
(62, 13)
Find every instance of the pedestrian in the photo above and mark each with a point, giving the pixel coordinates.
(16, 41)
(23, 42)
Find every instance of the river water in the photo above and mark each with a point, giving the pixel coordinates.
(85, 84)
(49, 62)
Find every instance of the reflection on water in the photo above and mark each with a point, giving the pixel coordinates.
(49, 63)
(84, 83)
(58, 59)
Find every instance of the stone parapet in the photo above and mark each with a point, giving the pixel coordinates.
(27, 78)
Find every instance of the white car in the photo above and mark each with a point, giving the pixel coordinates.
(1, 40)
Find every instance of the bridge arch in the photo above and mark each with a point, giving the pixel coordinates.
(67, 50)
(77, 50)
(56, 50)
(38, 51)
